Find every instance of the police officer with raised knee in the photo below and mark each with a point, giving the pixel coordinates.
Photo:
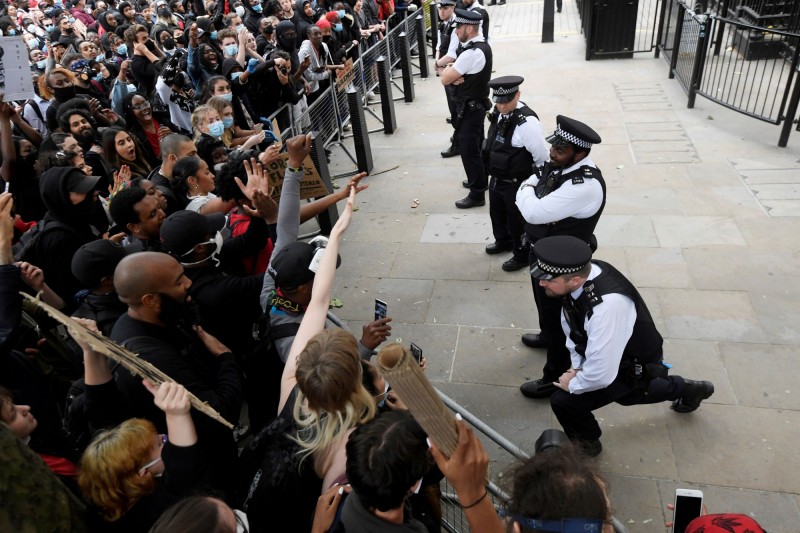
(513, 150)
(616, 352)
(567, 199)
(470, 74)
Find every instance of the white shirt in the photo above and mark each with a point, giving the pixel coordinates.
(529, 136)
(470, 61)
(578, 200)
(196, 203)
(453, 45)
(30, 116)
(608, 332)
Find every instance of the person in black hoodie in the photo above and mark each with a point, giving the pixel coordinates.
(93, 265)
(72, 206)
(303, 18)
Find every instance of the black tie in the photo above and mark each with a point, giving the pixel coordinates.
(459, 49)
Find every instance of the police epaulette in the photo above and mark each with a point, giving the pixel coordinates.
(577, 179)
(591, 297)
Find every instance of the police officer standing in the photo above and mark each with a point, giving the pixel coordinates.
(615, 350)
(514, 149)
(470, 74)
(446, 54)
(567, 200)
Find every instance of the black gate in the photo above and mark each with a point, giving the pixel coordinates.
(617, 29)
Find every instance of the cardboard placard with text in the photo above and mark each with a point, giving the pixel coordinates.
(311, 185)
(346, 76)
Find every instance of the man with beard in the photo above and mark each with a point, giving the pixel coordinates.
(65, 32)
(72, 207)
(139, 216)
(567, 200)
(78, 123)
(265, 40)
(160, 327)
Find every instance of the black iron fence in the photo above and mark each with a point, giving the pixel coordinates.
(747, 68)
(616, 29)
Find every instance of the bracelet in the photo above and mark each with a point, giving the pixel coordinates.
(476, 502)
(298, 169)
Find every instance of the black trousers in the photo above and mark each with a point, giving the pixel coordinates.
(508, 226)
(470, 139)
(549, 310)
(574, 411)
(449, 90)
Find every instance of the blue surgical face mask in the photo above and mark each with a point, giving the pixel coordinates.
(98, 77)
(338, 26)
(232, 49)
(49, 28)
(216, 129)
(72, 20)
(122, 49)
(12, 31)
(100, 57)
(33, 43)
(341, 13)
(41, 65)
(214, 35)
(228, 97)
(131, 87)
(239, 28)
(227, 122)
(235, 75)
(257, 8)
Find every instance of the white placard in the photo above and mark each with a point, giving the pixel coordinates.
(16, 80)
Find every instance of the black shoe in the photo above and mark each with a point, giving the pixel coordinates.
(538, 388)
(693, 393)
(451, 152)
(534, 340)
(591, 448)
(448, 120)
(468, 202)
(492, 3)
(465, 184)
(515, 263)
(502, 2)
(498, 248)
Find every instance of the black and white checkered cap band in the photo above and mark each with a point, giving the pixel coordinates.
(577, 141)
(557, 271)
(462, 20)
(501, 91)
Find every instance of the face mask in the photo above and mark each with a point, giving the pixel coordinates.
(99, 77)
(338, 26)
(87, 10)
(231, 49)
(242, 524)
(63, 94)
(35, 29)
(217, 242)
(100, 57)
(239, 28)
(257, 8)
(12, 31)
(59, 3)
(235, 75)
(48, 28)
(41, 65)
(87, 206)
(228, 97)
(227, 122)
(163, 12)
(214, 35)
(33, 43)
(169, 43)
(122, 49)
(131, 88)
(269, 30)
(341, 13)
(71, 20)
(240, 12)
(216, 129)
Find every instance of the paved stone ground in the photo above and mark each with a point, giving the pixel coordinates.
(701, 215)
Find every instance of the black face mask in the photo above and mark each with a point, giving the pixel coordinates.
(63, 94)
(173, 312)
(169, 43)
(269, 30)
(87, 206)
(163, 12)
(326, 38)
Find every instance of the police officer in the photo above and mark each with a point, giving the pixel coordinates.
(470, 74)
(513, 150)
(567, 200)
(616, 352)
(446, 54)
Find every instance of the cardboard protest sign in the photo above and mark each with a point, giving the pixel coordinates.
(16, 81)
(311, 185)
(346, 76)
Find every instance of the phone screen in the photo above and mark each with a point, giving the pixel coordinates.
(380, 309)
(416, 351)
(687, 508)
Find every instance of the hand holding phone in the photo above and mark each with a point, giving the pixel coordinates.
(688, 506)
(380, 309)
(416, 351)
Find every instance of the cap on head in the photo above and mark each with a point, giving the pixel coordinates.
(447, 3)
(724, 523)
(95, 260)
(79, 182)
(505, 88)
(470, 18)
(183, 230)
(290, 266)
(571, 131)
(559, 255)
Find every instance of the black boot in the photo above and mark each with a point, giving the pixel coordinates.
(694, 392)
(453, 151)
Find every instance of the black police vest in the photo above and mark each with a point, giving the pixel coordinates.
(645, 345)
(475, 86)
(445, 35)
(506, 161)
(582, 228)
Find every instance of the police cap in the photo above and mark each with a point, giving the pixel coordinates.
(468, 17)
(505, 88)
(447, 3)
(571, 131)
(559, 255)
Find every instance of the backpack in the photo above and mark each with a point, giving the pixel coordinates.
(27, 247)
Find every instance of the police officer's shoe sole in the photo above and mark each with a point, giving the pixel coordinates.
(591, 448)
(534, 340)
(514, 264)
(693, 393)
(498, 248)
(450, 152)
(466, 203)
(538, 389)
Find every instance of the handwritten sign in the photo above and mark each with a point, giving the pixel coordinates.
(345, 76)
(311, 185)
(15, 70)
